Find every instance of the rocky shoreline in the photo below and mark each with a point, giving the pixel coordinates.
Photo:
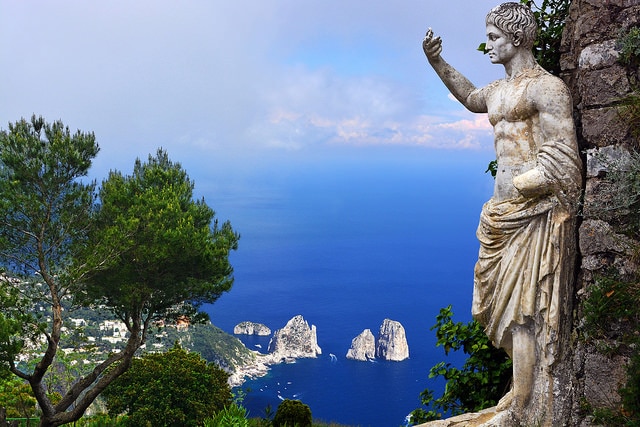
(296, 340)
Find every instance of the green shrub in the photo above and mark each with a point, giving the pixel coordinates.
(484, 378)
(233, 415)
(292, 413)
(176, 388)
(101, 420)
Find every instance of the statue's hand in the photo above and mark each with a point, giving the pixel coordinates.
(532, 183)
(432, 46)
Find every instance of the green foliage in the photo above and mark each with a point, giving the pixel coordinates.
(629, 108)
(492, 168)
(483, 379)
(175, 388)
(611, 309)
(266, 420)
(213, 344)
(146, 251)
(167, 254)
(628, 45)
(233, 415)
(550, 16)
(256, 422)
(16, 397)
(17, 323)
(630, 392)
(45, 210)
(100, 420)
(45, 213)
(292, 413)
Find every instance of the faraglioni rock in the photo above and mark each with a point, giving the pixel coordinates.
(363, 347)
(295, 340)
(392, 342)
(251, 328)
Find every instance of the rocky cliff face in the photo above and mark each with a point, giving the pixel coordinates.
(251, 328)
(598, 81)
(295, 340)
(363, 347)
(392, 341)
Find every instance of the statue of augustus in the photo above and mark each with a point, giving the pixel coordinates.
(523, 279)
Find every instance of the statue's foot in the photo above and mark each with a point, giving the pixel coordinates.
(506, 402)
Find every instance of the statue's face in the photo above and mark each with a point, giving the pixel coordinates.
(499, 46)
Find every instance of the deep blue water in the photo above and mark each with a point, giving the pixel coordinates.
(348, 244)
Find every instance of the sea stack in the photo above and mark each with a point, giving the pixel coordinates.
(363, 347)
(295, 340)
(251, 328)
(392, 341)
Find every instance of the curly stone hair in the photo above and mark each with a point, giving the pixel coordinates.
(514, 17)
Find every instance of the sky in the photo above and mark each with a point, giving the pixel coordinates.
(237, 86)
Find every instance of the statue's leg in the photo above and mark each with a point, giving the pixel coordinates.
(524, 364)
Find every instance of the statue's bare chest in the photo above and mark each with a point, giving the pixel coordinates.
(509, 101)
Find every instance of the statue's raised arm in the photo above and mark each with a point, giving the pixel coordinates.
(459, 85)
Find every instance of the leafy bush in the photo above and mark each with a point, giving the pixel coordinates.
(483, 379)
(16, 396)
(292, 413)
(101, 420)
(233, 415)
(175, 388)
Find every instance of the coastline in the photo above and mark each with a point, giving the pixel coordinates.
(258, 368)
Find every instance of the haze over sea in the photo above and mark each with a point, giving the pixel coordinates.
(348, 246)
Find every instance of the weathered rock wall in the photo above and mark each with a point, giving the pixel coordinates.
(597, 81)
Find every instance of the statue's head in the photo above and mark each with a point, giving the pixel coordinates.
(516, 21)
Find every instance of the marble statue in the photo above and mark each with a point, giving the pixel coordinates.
(523, 279)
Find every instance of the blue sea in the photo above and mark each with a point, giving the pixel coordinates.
(346, 243)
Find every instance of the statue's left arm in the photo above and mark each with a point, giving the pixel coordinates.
(557, 167)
